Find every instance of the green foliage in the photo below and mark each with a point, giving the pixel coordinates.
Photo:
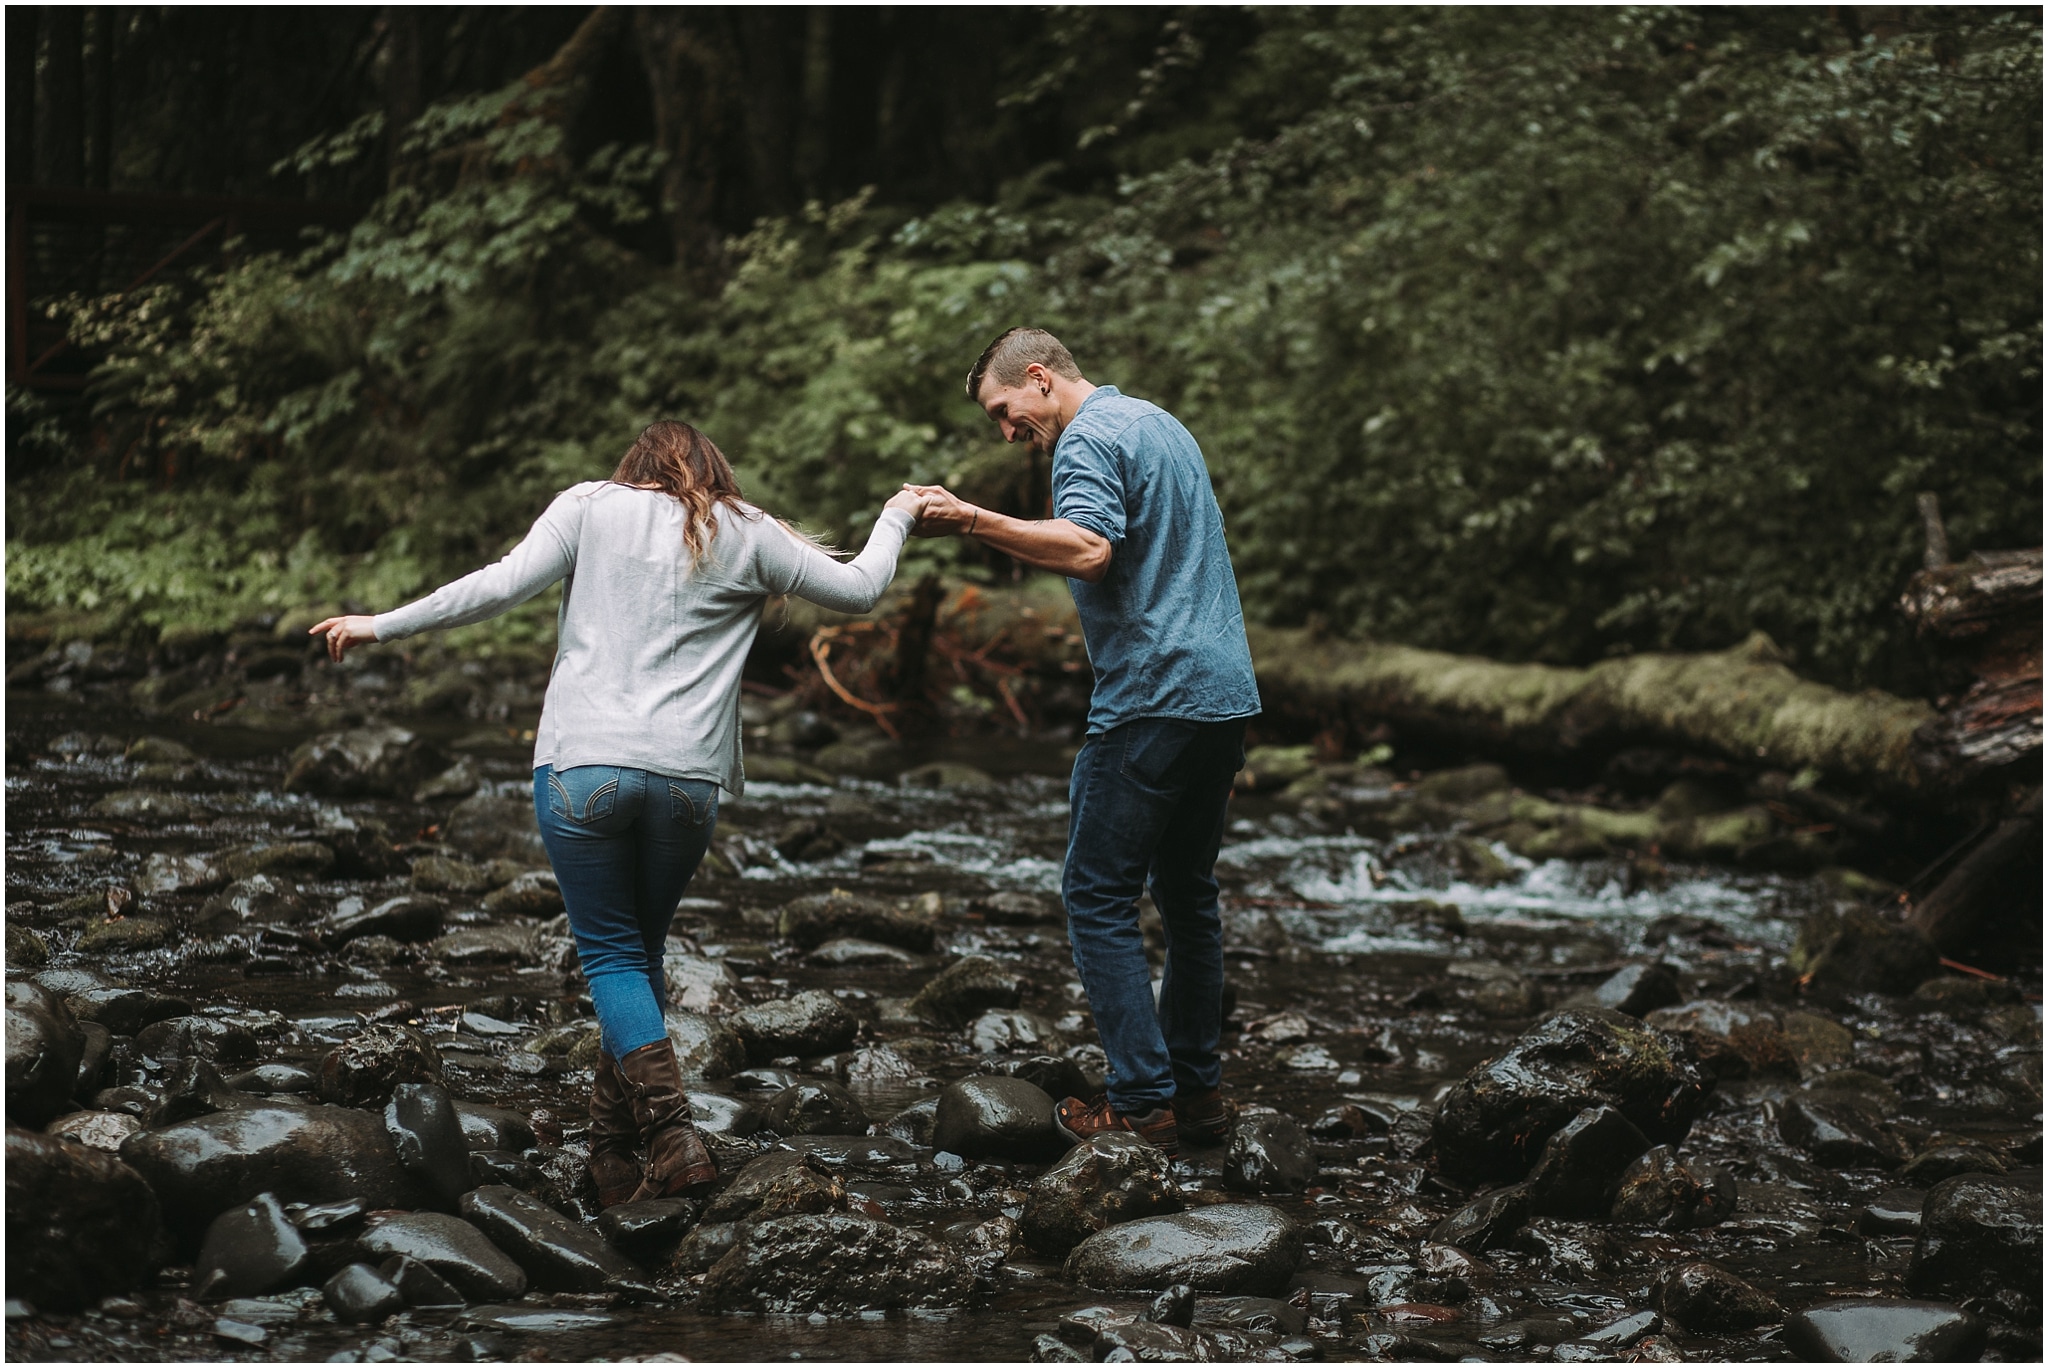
(1546, 334)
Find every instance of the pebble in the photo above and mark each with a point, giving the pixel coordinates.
(1269, 1153)
(360, 1295)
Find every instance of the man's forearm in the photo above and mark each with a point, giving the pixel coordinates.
(1054, 544)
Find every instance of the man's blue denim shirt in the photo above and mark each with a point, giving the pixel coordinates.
(1164, 628)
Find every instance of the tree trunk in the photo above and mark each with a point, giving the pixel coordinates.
(102, 22)
(60, 97)
(1984, 613)
(690, 63)
(24, 36)
(1743, 703)
(1951, 912)
(404, 84)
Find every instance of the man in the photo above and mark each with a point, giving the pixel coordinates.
(1137, 532)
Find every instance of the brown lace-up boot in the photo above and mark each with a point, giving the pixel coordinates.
(677, 1161)
(614, 1136)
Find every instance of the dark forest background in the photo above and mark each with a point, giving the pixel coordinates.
(1540, 333)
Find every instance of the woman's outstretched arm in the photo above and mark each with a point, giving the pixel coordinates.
(546, 555)
(853, 586)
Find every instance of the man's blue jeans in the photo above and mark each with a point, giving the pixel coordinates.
(624, 844)
(1148, 802)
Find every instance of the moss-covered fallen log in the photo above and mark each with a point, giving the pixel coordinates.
(1744, 703)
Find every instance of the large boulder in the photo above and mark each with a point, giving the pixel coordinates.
(558, 1254)
(452, 1247)
(1980, 1238)
(810, 1023)
(994, 1117)
(380, 761)
(1885, 1330)
(487, 825)
(1106, 1180)
(44, 1046)
(300, 1151)
(837, 1264)
(1493, 1123)
(81, 1224)
(1223, 1249)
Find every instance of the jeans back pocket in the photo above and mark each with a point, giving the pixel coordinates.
(585, 794)
(696, 800)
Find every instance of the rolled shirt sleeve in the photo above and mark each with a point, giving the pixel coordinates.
(1088, 487)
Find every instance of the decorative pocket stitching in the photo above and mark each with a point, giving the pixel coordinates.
(608, 789)
(682, 795)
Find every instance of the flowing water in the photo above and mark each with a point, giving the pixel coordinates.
(1357, 963)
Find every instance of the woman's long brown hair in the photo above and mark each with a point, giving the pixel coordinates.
(685, 464)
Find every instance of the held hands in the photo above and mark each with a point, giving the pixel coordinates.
(344, 632)
(945, 513)
(909, 501)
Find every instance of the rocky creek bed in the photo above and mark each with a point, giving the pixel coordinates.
(298, 1055)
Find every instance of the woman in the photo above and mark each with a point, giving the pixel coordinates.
(665, 571)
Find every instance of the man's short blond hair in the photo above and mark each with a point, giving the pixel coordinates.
(1008, 355)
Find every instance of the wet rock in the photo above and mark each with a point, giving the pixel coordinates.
(195, 1088)
(947, 775)
(1051, 1349)
(1012, 1032)
(558, 1254)
(537, 1320)
(647, 1231)
(1493, 1123)
(1815, 1042)
(915, 1122)
(1980, 1237)
(459, 780)
(444, 874)
(248, 1251)
(1474, 861)
(1448, 1274)
(125, 936)
(717, 1114)
(704, 1246)
(966, 988)
(162, 874)
(1858, 950)
(1840, 1134)
(533, 894)
(44, 1046)
(362, 1070)
(1058, 1075)
(427, 1132)
(1959, 995)
(699, 984)
(147, 806)
(868, 758)
(1016, 907)
(1462, 785)
(258, 898)
(705, 1047)
(1659, 1189)
(1225, 1249)
(488, 826)
(812, 921)
(1269, 1153)
(1107, 1180)
(1884, 1330)
(405, 918)
(476, 946)
(1506, 996)
(1624, 1333)
(1638, 989)
(494, 1128)
(987, 1116)
(97, 1046)
(1576, 1173)
(106, 1131)
(1174, 1306)
(360, 1295)
(836, 1264)
(201, 1037)
(417, 1283)
(299, 1151)
(368, 761)
(810, 1023)
(877, 1064)
(816, 1108)
(1950, 1158)
(847, 952)
(1709, 1301)
(289, 859)
(807, 838)
(778, 1183)
(1145, 1342)
(1734, 1039)
(26, 948)
(122, 1010)
(81, 1224)
(1895, 1211)
(1487, 1222)
(453, 1248)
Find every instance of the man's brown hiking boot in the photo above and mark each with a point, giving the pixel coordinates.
(677, 1162)
(614, 1161)
(1204, 1117)
(1077, 1120)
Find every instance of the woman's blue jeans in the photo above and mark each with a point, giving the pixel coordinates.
(1148, 802)
(624, 844)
